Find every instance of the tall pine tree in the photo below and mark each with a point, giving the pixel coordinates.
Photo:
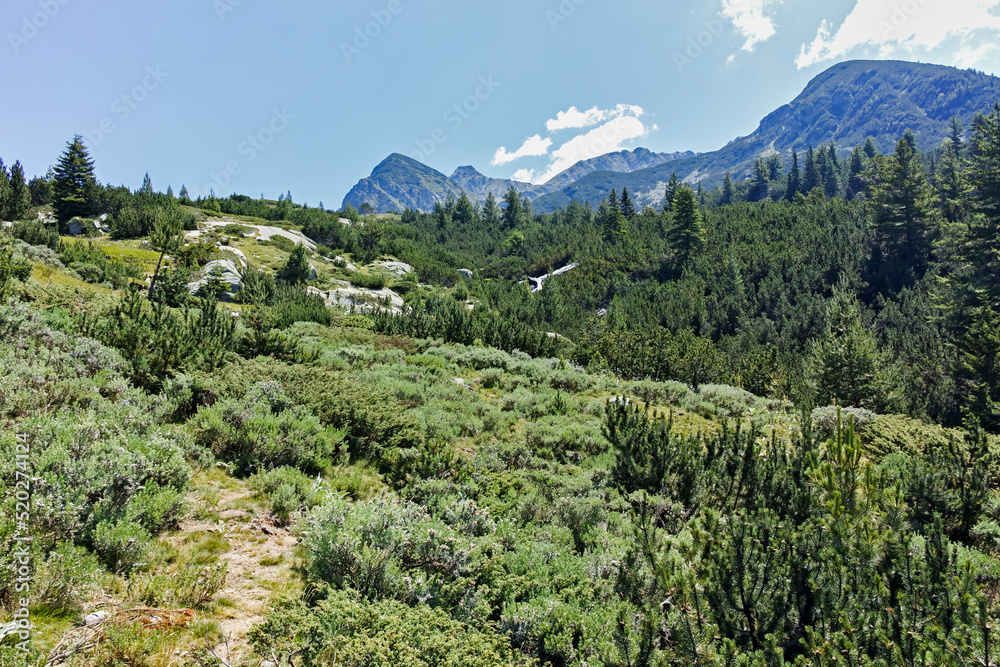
(687, 233)
(668, 200)
(794, 179)
(627, 209)
(74, 183)
(20, 196)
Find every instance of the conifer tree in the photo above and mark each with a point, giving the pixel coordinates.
(167, 235)
(296, 270)
(900, 201)
(627, 209)
(845, 361)
(512, 212)
(811, 177)
(465, 211)
(19, 201)
(74, 182)
(950, 182)
(831, 172)
(615, 225)
(855, 170)
(687, 234)
(727, 190)
(870, 150)
(760, 186)
(794, 179)
(668, 200)
(956, 134)
(491, 211)
(184, 197)
(4, 192)
(147, 185)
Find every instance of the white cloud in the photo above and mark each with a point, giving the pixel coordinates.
(908, 27)
(573, 118)
(524, 175)
(535, 145)
(607, 138)
(748, 18)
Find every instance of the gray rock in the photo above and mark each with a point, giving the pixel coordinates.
(395, 268)
(97, 617)
(466, 273)
(230, 274)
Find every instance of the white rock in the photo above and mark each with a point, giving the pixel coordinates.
(97, 617)
(467, 273)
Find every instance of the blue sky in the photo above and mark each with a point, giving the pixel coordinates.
(263, 97)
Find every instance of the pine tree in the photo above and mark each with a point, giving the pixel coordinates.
(855, 170)
(870, 150)
(4, 192)
(831, 172)
(727, 190)
(491, 212)
(184, 197)
(147, 185)
(846, 361)
(950, 182)
(512, 211)
(296, 270)
(615, 223)
(794, 179)
(668, 200)
(983, 243)
(74, 183)
(170, 192)
(900, 201)
(811, 178)
(628, 210)
(956, 134)
(759, 187)
(465, 211)
(19, 202)
(687, 234)
(167, 235)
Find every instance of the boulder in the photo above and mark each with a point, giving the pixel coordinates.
(395, 268)
(466, 273)
(230, 275)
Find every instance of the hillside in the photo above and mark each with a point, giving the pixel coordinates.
(845, 104)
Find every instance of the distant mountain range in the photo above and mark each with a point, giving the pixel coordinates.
(400, 182)
(846, 104)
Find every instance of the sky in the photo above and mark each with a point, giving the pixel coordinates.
(262, 98)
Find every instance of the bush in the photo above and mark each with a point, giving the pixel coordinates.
(280, 242)
(233, 229)
(382, 549)
(287, 489)
(350, 632)
(120, 545)
(825, 419)
(374, 281)
(730, 401)
(264, 430)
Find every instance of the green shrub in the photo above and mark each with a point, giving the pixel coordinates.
(65, 579)
(350, 632)
(288, 490)
(282, 243)
(886, 434)
(374, 281)
(233, 229)
(382, 549)
(121, 545)
(264, 430)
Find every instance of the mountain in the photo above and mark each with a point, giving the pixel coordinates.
(846, 104)
(400, 182)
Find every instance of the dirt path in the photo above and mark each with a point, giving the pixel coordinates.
(261, 559)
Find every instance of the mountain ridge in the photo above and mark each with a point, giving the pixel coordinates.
(845, 103)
